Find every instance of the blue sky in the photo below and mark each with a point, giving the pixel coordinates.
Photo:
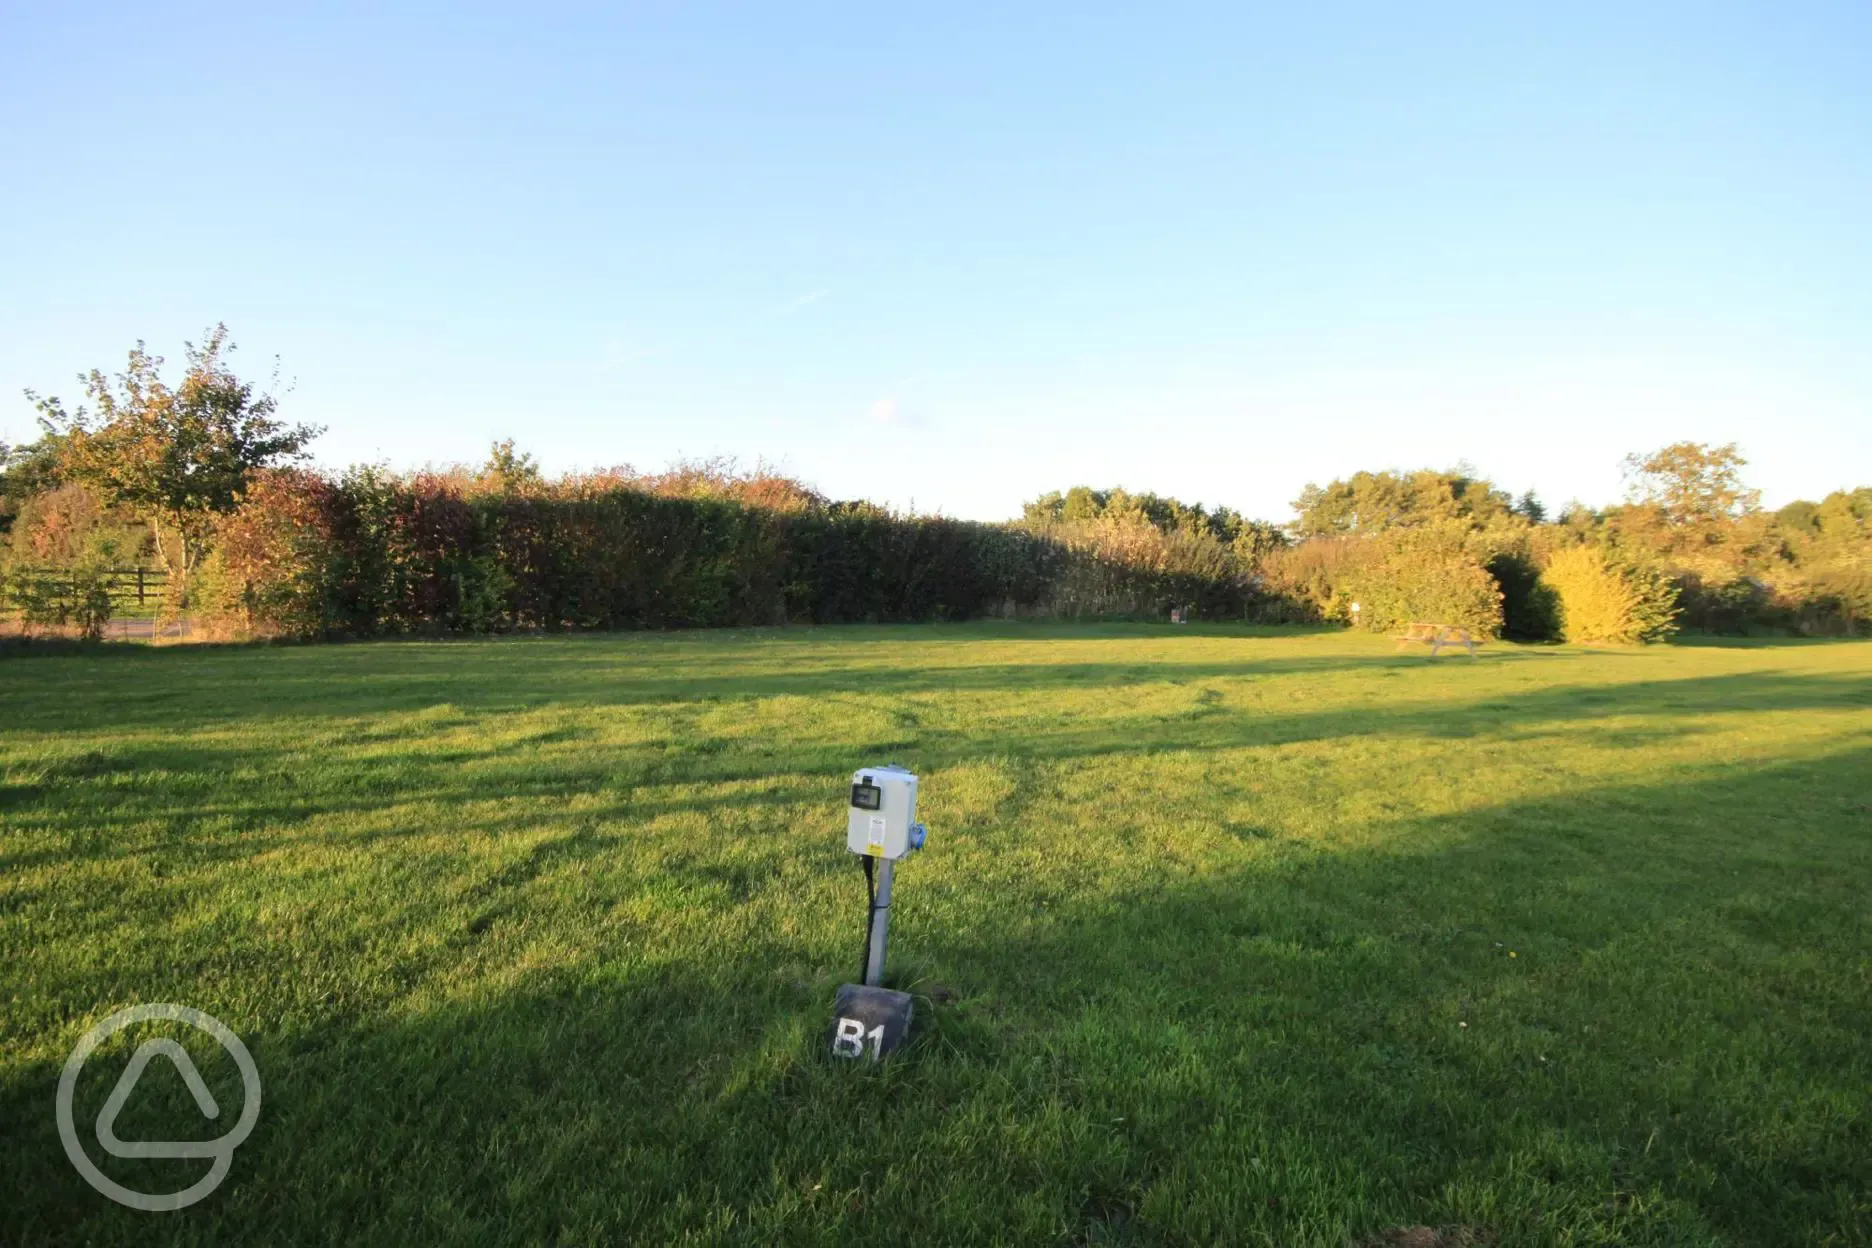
(954, 257)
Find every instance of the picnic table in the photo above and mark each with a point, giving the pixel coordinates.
(1436, 636)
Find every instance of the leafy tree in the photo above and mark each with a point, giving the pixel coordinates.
(1371, 502)
(56, 564)
(510, 471)
(1082, 504)
(24, 472)
(6, 512)
(1845, 515)
(1531, 509)
(174, 457)
(56, 527)
(1254, 540)
(1799, 516)
(1691, 484)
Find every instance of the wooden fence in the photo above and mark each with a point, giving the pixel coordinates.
(38, 599)
(143, 586)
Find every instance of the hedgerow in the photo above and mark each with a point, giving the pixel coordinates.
(371, 553)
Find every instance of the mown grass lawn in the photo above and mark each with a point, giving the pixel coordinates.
(1223, 936)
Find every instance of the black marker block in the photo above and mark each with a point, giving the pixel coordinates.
(869, 1022)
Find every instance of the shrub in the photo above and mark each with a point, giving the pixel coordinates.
(1734, 605)
(1833, 598)
(483, 591)
(1530, 611)
(76, 594)
(271, 570)
(1304, 583)
(1404, 577)
(60, 528)
(1119, 565)
(64, 546)
(1605, 599)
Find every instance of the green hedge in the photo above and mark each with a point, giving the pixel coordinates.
(373, 553)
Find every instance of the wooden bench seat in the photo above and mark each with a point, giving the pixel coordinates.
(1437, 636)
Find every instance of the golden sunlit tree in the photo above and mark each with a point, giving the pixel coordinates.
(1691, 484)
(175, 457)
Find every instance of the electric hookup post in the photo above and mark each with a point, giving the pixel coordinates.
(881, 827)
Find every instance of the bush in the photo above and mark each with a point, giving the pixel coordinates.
(1304, 583)
(1830, 599)
(77, 594)
(1404, 578)
(1124, 565)
(1435, 575)
(1605, 599)
(270, 572)
(1530, 610)
(62, 527)
(1736, 606)
(483, 595)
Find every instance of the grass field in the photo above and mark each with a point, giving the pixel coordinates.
(1223, 936)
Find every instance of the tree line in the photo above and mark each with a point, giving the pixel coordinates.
(204, 479)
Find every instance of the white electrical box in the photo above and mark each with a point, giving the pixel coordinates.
(882, 821)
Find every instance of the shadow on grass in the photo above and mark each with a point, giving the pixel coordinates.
(312, 683)
(16, 646)
(1303, 1048)
(178, 789)
(1723, 641)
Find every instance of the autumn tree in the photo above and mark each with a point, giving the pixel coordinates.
(175, 457)
(1691, 484)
